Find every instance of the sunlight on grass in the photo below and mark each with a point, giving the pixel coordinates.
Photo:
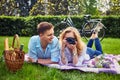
(109, 45)
(37, 72)
(23, 40)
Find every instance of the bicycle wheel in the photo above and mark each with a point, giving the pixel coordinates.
(101, 33)
(59, 28)
(88, 29)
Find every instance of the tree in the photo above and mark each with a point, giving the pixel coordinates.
(47, 7)
(110, 7)
(115, 7)
(16, 7)
(59, 7)
(88, 7)
(54, 7)
(8, 7)
(25, 6)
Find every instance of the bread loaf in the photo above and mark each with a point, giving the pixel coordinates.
(6, 45)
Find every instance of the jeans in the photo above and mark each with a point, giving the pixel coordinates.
(92, 53)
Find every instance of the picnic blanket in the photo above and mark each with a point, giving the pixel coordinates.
(107, 63)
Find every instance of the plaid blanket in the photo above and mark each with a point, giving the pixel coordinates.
(107, 63)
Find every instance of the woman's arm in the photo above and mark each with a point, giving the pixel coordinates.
(75, 56)
(79, 59)
(63, 58)
(83, 57)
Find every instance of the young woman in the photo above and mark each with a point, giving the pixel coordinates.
(74, 50)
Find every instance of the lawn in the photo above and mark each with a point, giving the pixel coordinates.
(38, 72)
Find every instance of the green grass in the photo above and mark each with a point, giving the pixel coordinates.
(38, 72)
(23, 40)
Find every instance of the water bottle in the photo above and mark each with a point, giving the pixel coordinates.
(21, 47)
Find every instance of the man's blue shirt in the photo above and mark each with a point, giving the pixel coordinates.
(52, 50)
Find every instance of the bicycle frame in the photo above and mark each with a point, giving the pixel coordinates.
(83, 31)
(68, 21)
(93, 25)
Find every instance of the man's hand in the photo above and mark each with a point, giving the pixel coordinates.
(30, 59)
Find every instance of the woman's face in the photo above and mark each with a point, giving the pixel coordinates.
(67, 35)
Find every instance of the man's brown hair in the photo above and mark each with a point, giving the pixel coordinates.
(44, 26)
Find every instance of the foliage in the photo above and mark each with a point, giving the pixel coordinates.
(89, 7)
(16, 7)
(109, 7)
(115, 7)
(53, 7)
(58, 7)
(11, 25)
(112, 24)
(8, 7)
(26, 26)
(50, 7)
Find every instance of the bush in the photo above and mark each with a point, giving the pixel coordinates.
(26, 26)
(11, 25)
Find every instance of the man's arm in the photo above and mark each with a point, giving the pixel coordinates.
(55, 50)
(42, 61)
(46, 61)
(32, 53)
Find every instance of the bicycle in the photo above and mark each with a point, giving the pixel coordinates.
(91, 25)
(88, 27)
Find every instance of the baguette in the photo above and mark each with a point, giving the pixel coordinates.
(6, 45)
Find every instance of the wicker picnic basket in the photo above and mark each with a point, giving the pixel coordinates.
(14, 57)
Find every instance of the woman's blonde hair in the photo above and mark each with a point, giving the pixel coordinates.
(80, 44)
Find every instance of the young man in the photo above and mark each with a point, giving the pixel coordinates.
(44, 47)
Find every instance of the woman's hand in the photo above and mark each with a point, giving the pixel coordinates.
(63, 44)
(74, 53)
(73, 48)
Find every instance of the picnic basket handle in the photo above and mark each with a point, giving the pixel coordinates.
(16, 37)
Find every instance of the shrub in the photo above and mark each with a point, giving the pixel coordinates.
(26, 26)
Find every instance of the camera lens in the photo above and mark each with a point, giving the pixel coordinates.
(70, 40)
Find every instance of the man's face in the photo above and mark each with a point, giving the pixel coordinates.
(47, 36)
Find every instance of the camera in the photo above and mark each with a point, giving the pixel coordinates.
(71, 40)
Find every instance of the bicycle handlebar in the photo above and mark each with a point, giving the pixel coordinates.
(96, 20)
(87, 17)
